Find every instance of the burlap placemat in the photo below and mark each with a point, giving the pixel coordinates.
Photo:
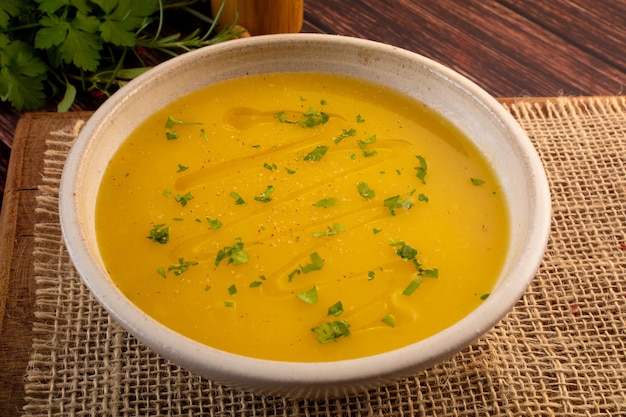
(561, 351)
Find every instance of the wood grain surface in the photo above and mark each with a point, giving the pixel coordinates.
(511, 48)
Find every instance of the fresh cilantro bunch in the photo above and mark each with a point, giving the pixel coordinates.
(49, 47)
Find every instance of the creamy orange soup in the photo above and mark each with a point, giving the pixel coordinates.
(301, 217)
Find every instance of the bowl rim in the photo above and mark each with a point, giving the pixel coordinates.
(221, 365)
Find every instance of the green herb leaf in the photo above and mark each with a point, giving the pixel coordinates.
(371, 275)
(365, 191)
(183, 199)
(336, 309)
(331, 331)
(238, 200)
(182, 266)
(389, 320)
(313, 118)
(326, 202)
(421, 169)
(265, 196)
(182, 168)
(309, 296)
(421, 197)
(330, 231)
(316, 264)
(229, 304)
(21, 75)
(316, 154)
(376, 230)
(343, 135)
(359, 119)
(485, 296)
(255, 284)
(395, 202)
(232, 290)
(477, 181)
(234, 253)
(214, 223)
(161, 271)
(160, 233)
(428, 273)
(413, 285)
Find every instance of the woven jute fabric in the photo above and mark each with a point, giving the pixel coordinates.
(560, 352)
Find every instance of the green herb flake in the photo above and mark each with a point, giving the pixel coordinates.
(371, 275)
(184, 199)
(336, 309)
(167, 192)
(326, 202)
(161, 271)
(215, 224)
(323, 102)
(421, 197)
(229, 304)
(395, 202)
(270, 167)
(331, 331)
(293, 273)
(313, 118)
(289, 171)
(232, 290)
(234, 253)
(262, 277)
(360, 119)
(485, 296)
(421, 169)
(344, 134)
(309, 296)
(238, 199)
(376, 230)
(160, 233)
(265, 196)
(316, 154)
(207, 288)
(389, 320)
(182, 168)
(365, 191)
(330, 231)
(171, 135)
(413, 285)
(204, 135)
(428, 273)
(477, 181)
(316, 263)
(255, 284)
(182, 267)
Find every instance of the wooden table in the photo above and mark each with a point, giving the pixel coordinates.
(509, 47)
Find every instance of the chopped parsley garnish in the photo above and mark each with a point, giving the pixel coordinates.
(214, 223)
(313, 118)
(204, 135)
(413, 285)
(171, 135)
(270, 167)
(326, 202)
(182, 266)
(421, 169)
(330, 231)
(234, 253)
(371, 275)
(395, 202)
(323, 102)
(389, 320)
(238, 200)
(409, 254)
(229, 304)
(255, 284)
(316, 154)
(184, 199)
(160, 233)
(264, 197)
(345, 134)
(485, 296)
(167, 192)
(309, 296)
(171, 122)
(293, 273)
(161, 271)
(421, 197)
(182, 168)
(232, 290)
(331, 331)
(316, 264)
(363, 146)
(365, 191)
(289, 171)
(477, 181)
(360, 119)
(376, 230)
(336, 309)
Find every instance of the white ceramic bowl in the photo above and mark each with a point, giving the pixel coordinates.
(482, 118)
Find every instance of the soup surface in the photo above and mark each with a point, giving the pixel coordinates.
(301, 217)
